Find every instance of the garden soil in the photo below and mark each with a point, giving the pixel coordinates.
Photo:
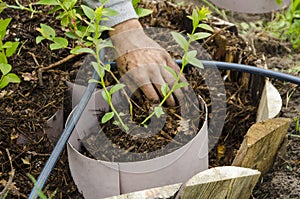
(25, 108)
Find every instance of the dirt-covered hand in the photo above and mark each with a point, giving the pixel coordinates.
(141, 62)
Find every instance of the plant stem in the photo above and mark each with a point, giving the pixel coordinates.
(124, 92)
(184, 63)
(102, 81)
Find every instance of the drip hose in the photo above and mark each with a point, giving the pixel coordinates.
(63, 139)
(250, 69)
(90, 88)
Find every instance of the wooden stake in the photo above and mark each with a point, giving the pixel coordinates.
(261, 144)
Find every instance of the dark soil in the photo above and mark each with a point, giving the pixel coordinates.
(26, 107)
(175, 128)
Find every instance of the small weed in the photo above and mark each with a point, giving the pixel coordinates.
(41, 193)
(289, 94)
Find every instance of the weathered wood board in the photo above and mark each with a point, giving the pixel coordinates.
(261, 143)
(215, 183)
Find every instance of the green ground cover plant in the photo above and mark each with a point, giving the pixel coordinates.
(286, 24)
(7, 49)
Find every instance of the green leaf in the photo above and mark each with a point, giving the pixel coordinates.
(65, 21)
(10, 51)
(195, 62)
(116, 87)
(135, 3)
(180, 40)
(55, 9)
(200, 35)
(7, 44)
(79, 49)
(103, 45)
(89, 12)
(191, 54)
(142, 12)
(109, 12)
(98, 69)
(206, 27)
(104, 28)
(158, 110)
(80, 33)
(70, 35)
(181, 85)
(2, 6)
(39, 191)
(59, 43)
(164, 89)
(104, 96)
(93, 81)
(5, 68)
(3, 58)
(3, 25)
(38, 39)
(47, 2)
(117, 123)
(3, 82)
(69, 4)
(13, 78)
(107, 67)
(107, 117)
(171, 71)
(47, 31)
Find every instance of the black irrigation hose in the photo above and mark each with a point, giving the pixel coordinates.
(63, 139)
(250, 69)
(89, 90)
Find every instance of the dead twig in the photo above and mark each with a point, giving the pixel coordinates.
(11, 177)
(60, 62)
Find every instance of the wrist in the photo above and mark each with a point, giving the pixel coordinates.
(125, 26)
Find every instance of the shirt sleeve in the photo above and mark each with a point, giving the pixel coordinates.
(123, 7)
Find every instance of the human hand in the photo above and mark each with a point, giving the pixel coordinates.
(141, 62)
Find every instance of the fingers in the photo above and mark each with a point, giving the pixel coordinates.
(144, 71)
(158, 82)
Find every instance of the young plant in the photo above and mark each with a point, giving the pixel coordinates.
(41, 193)
(95, 17)
(286, 25)
(90, 41)
(189, 57)
(7, 49)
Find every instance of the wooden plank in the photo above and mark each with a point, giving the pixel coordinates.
(215, 183)
(221, 182)
(159, 192)
(261, 143)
